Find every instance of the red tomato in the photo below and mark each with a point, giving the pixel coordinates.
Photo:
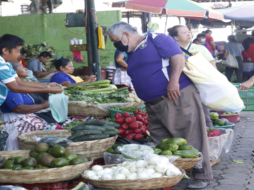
(135, 112)
(126, 114)
(127, 132)
(145, 122)
(138, 117)
(121, 131)
(145, 117)
(140, 112)
(130, 136)
(119, 121)
(127, 119)
(142, 120)
(142, 129)
(125, 126)
(133, 125)
(118, 115)
(137, 131)
(133, 118)
(138, 136)
(144, 114)
(140, 124)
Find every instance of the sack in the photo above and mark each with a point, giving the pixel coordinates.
(58, 104)
(230, 61)
(216, 92)
(77, 56)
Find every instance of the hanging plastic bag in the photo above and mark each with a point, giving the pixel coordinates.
(58, 104)
(216, 92)
(77, 56)
(230, 61)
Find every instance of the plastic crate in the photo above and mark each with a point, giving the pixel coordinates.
(113, 112)
(247, 97)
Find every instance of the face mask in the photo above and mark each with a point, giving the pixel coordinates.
(202, 40)
(119, 45)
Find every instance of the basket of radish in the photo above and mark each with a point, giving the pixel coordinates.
(133, 127)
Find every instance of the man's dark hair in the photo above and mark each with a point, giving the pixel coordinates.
(10, 42)
(174, 30)
(23, 51)
(202, 35)
(45, 54)
(231, 38)
(207, 31)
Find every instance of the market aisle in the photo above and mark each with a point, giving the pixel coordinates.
(227, 174)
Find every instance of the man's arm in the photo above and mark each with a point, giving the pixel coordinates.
(246, 85)
(40, 74)
(34, 84)
(120, 60)
(26, 109)
(14, 87)
(177, 64)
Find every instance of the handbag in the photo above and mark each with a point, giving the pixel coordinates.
(230, 61)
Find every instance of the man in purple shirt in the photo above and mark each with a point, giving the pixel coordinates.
(155, 65)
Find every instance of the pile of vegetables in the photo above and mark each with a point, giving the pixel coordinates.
(114, 149)
(230, 113)
(43, 157)
(126, 109)
(218, 122)
(34, 50)
(213, 132)
(72, 124)
(176, 147)
(154, 167)
(132, 127)
(93, 130)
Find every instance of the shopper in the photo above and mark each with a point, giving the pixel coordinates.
(248, 44)
(236, 49)
(155, 65)
(65, 70)
(9, 53)
(201, 40)
(209, 39)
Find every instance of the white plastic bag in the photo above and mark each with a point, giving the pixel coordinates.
(230, 61)
(216, 92)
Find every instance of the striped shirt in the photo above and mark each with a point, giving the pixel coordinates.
(7, 75)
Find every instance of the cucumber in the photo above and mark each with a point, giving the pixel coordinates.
(91, 137)
(94, 122)
(81, 186)
(110, 133)
(186, 153)
(112, 124)
(88, 127)
(84, 132)
(109, 128)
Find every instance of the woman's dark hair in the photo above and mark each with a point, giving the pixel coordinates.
(10, 42)
(23, 51)
(60, 62)
(231, 38)
(45, 54)
(174, 30)
(202, 35)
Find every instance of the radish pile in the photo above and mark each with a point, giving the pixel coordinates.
(213, 132)
(132, 127)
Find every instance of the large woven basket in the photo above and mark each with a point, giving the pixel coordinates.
(91, 149)
(75, 108)
(186, 163)
(39, 176)
(137, 184)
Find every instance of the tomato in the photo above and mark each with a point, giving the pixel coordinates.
(145, 117)
(142, 129)
(118, 115)
(126, 114)
(119, 121)
(133, 118)
(125, 126)
(127, 119)
(140, 112)
(137, 131)
(140, 124)
(135, 112)
(121, 131)
(127, 132)
(144, 114)
(138, 136)
(130, 136)
(145, 122)
(138, 117)
(133, 125)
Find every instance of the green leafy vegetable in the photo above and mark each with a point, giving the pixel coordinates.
(238, 161)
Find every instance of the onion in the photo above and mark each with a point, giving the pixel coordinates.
(139, 170)
(99, 173)
(106, 176)
(141, 164)
(97, 167)
(119, 177)
(89, 173)
(156, 174)
(161, 168)
(149, 171)
(124, 171)
(173, 172)
(142, 175)
(153, 159)
(132, 176)
(164, 160)
(94, 177)
(151, 166)
(108, 170)
(133, 169)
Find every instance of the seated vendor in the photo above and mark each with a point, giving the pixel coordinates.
(64, 76)
(25, 112)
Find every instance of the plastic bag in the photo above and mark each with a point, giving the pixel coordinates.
(135, 151)
(11, 187)
(111, 158)
(216, 144)
(12, 142)
(209, 81)
(230, 61)
(77, 56)
(59, 106)
(53, 141)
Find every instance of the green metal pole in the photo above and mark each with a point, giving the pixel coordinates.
(92, 18)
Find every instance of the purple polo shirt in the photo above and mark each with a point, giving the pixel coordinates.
(149, 66)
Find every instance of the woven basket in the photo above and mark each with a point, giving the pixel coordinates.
(137, 184)
(91, 149)
(78, 109)
(186, 163)
(39, 176)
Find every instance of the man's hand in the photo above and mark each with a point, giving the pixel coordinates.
(246, 85)
(92, 78)
(173, 90)
(249, 59)
(124, 69)
(52, 70)
(52, 84)
(55, 90)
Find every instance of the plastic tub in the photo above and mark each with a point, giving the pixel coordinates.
(231, 118)
(229, 126)
(113, 112)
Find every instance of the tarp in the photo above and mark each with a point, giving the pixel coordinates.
(240, 13)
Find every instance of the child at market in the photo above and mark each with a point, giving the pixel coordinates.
(10, 46)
